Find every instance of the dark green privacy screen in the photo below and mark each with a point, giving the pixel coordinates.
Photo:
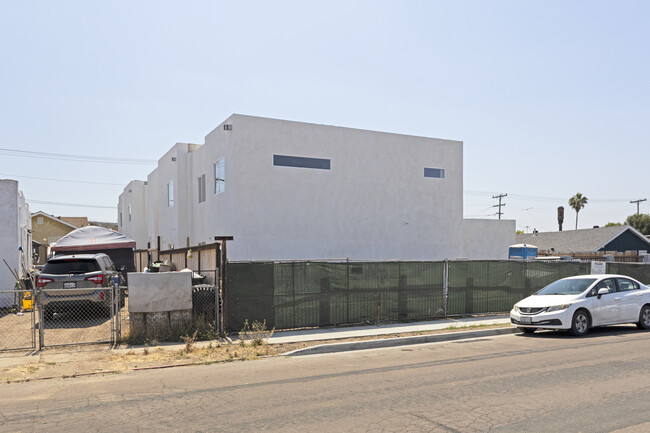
(308, 294)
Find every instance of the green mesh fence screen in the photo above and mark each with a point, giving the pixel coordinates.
(307, 294)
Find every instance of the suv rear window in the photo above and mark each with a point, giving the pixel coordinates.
(71, 266)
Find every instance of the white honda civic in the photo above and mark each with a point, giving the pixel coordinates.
(582, 302)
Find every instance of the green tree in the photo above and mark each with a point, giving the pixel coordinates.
(613, 224)
(640, 221)
(577, 202)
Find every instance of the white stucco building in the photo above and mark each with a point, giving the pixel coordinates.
(15, 233)
(291, 190)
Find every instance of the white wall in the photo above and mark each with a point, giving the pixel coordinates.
(15, 232)
(488, 239)
(374, 203)
(135, 227)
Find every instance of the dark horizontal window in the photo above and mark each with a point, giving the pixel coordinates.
(301, 162)
(434, 172)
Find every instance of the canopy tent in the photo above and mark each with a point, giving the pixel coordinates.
(93, 239)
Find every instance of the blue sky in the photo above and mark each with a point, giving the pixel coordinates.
(549, 97)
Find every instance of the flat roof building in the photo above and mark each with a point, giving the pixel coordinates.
(290, 190)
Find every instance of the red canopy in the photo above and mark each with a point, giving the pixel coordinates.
(93, 238)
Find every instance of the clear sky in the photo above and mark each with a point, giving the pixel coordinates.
(549, 97)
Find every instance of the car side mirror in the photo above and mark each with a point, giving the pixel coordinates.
(602, 292)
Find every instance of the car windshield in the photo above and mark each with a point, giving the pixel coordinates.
(572, 286)
(71, 266)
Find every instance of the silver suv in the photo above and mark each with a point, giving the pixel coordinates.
(79, 281)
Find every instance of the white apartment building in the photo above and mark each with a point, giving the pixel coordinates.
(290, 190)
(15, 234)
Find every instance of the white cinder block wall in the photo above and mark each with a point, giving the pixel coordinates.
(373, 203)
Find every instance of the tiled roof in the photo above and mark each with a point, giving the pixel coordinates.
(575, 241)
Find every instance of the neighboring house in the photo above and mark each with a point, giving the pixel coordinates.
(47, 229)
(292, 190)
(15, 235)
(76, 221)
(605, 239)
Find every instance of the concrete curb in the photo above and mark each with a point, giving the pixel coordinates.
(401, 341)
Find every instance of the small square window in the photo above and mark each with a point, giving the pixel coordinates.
(434, 172)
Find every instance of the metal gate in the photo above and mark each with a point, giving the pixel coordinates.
(25, 323)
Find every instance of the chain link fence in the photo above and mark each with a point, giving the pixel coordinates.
(17, 320)
(78, 321)
(308, 294)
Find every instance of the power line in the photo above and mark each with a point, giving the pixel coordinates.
(70, 204)
(68, 157)
(61, 180)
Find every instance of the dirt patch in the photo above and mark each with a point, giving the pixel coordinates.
(84, 360)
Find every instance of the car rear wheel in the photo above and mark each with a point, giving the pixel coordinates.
(644, 318)
(528, 330)
(580, 323)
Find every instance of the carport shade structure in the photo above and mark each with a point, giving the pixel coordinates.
(93, 239)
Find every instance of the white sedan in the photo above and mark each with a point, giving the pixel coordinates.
(582, 302)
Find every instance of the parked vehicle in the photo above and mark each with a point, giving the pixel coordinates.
(582, 302)
(77, 282)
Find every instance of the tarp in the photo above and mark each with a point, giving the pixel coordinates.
(93, 238)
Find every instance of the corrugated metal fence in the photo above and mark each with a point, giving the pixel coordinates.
(306, 294)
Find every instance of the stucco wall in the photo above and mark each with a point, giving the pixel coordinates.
(50, 230)
(135, 226)
(15, 227)
(373, 203)
(488, 239)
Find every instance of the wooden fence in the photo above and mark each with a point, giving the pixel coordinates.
(203, 259)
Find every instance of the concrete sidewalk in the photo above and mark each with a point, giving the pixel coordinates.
(383, 329)
(87, 360)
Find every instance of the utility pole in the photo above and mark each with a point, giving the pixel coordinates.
(637, 203)
(500, 196)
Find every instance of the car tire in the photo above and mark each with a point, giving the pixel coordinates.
(644, 318)
(528, 330)
(580, 323)
(47, 313)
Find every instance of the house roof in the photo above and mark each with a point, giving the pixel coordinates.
(583, 240)
(93, 238)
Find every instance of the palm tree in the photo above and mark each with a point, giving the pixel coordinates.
(577, 202)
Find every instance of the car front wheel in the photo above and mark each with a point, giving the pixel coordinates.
(644, 318)
(580, 323)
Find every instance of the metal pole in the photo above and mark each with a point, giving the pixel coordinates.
(445, 287)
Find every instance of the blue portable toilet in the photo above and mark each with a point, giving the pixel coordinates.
(522, 251)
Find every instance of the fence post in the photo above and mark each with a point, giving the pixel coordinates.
(402, 297)
(445, 287)
(41, 322)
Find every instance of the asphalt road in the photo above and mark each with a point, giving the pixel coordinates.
(545, 383)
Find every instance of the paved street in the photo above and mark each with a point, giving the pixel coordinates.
(545, 383)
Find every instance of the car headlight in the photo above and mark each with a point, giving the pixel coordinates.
(558, 307)
(515, 308)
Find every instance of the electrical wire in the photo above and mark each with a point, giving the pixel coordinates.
(68, 157)
(70, 204)
(62, 180)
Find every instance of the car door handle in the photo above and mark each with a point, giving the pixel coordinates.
(617, 299)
